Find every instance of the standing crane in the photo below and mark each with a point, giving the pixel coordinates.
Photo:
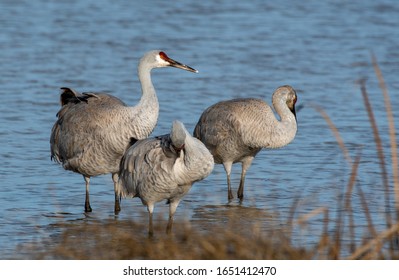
(236, 130)
(164, 167)
(93, 130)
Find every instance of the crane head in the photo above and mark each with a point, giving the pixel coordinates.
(167, 61)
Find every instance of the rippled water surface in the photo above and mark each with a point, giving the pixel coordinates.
(241, 48)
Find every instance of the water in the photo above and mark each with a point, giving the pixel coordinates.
(241, 49)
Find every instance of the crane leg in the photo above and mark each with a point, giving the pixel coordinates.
(87, 200)
(246, 163)
(240, 192)
(169, 226)
(115, 178)
(227, 167)
(229, 191)
(150, 209)
(172, 210)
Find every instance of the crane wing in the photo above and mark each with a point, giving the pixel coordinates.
(146, 164)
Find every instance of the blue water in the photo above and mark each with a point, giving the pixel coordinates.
(241, 49)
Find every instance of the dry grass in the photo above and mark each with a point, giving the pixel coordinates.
(115, 239)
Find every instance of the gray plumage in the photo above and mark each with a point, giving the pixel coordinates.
(164, 168)
(236, 130)
(93, 130)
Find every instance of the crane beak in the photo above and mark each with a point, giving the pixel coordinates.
(293, 111)
(177, 64)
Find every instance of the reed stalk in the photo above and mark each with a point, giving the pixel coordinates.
(380, 152)
(375, 242)
(290, 220)
(392, 133)
(348, 195)
(335, 131)
(363, 202)
(336, 242)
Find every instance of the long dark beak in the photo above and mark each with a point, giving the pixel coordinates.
(177, 64)
(293, 111)
(292, 106)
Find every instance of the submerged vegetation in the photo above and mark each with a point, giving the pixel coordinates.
(115, 239)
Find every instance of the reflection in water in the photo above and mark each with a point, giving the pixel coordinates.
(114, 239)
(237, 217)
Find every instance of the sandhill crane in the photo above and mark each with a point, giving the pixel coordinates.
(236, 130)
(164, 167)
(93, 130)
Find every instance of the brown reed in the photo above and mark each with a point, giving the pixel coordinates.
(335, 132)
(381, 158)
(379, 149)
(375, 243)
(392, 133)
(348, 196)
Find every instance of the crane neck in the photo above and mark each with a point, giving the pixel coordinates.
(269, 131)
(148, 92)
(195, 162)
(284, 130)
(286, 114)
(144, 116)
